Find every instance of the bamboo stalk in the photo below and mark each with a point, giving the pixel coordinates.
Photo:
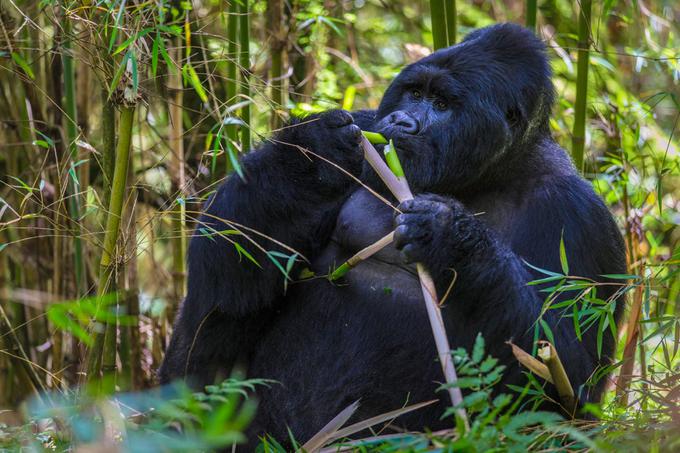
(106, 264)
(71, 127)
(232, 65)
(548, 353)
(19, 355)
(632, 336)
(578, 138)
(451, 21)
(108, 143)
(244, 63)
(531, 14)
(277, 48)
(443, 14)
(362, 255)
(56, 290)
(177, 173)
(130, 353)
(398, 185)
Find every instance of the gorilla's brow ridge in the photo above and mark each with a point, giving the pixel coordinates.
(433, 79)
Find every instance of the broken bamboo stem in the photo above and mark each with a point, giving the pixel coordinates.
(362, 255)
(548, 353)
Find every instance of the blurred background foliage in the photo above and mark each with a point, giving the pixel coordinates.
(118, 118)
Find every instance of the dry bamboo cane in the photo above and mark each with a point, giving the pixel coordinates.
(548, 353)
(399, 187)
(362, 255)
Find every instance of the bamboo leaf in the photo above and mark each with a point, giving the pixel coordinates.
(243, 252)
(118, 75)
(563, 256)
(195, 82)
(154, 55)
(23, 64)
(117, 24)
(130, 40)
(164, 53)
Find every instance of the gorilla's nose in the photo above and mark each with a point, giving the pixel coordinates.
(405, 122)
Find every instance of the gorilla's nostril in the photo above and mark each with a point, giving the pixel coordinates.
(405, 122)
(410, 126)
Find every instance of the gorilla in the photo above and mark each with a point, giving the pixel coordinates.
(495, 197)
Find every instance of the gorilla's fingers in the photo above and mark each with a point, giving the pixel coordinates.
(338, 118)
(410, 254)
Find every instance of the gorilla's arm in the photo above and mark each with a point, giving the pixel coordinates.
(287, 198)
(491, 276)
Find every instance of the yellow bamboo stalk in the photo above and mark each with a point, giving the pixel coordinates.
(399, 187)
(548, 353)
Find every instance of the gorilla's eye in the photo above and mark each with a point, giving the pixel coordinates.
(416, 94)
(440, 105)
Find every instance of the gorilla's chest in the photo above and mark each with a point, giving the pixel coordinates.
(362, 221)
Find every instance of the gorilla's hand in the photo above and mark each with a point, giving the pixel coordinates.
(331, 135)
(437, 231)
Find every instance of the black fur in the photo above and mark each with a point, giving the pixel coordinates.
(470, 124)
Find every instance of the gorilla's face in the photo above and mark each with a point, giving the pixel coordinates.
(461, 113)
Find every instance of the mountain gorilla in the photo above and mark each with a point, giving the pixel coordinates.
(493, 193)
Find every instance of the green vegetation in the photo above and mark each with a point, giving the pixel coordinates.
(119, 119)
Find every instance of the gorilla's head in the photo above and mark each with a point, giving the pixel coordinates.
(462, 113)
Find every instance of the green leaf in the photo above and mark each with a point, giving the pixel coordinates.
(475, 398)
(231, 152)
(466, 382)
(577, 322)
(154, 55)
(525, 419)
(23, 64)
(563, 256)
(168, 61)
(195, 82)
(272, 254)
(547, 330)
(330, 23)
(130, 40)
(488, 364)
(171, 29)
(119, 73)
(41, 143)
(119, 18)
(543, 271)
(135, 74)
(242, 252)
(478, 349)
